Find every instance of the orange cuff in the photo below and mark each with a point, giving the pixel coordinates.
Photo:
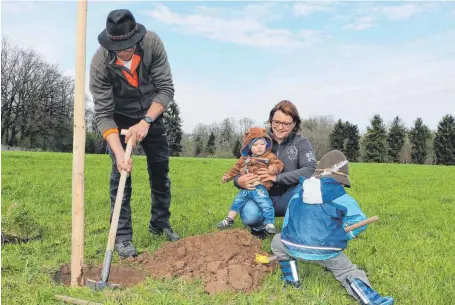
(109, 131)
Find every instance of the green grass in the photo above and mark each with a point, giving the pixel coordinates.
(408, 254)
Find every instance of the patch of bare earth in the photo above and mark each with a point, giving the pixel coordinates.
(223, 261)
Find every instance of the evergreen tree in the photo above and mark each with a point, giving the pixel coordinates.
(236, 149)
(210, 149)
(375, 141)
(444, 141)
(198, 148)
(352, 145)
(418, 137)
(395, 139)
(173, 124)
(336, 137)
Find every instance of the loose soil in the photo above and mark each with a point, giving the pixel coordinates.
(222, 261)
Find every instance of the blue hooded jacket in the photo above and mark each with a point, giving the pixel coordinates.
(313, 227)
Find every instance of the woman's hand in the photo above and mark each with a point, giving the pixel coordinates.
(246, 181)
(265, 176)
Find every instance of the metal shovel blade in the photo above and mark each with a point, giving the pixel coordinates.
(100, 285)
(103, 283)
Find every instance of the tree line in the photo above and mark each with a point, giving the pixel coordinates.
(37, 114)
(396, 143)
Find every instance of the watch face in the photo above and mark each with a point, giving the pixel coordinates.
(148, 119)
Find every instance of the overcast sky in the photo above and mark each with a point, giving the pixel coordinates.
(237, 59)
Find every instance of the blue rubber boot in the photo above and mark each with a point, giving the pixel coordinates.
(366, 294)
(290, 273)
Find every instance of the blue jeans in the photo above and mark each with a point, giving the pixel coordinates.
(259, 197)
(252, 215)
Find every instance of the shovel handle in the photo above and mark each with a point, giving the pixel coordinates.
(116, 213)
(361, 223)
(120, 191)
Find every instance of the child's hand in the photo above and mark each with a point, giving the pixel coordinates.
(224, 179)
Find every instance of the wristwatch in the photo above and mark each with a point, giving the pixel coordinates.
(148, 119)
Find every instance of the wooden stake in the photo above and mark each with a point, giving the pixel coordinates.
(77, 253)
(67, 299)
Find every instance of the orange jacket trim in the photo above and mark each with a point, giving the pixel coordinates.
(109, 131)
(131, 78)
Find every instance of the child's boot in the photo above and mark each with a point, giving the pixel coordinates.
(225, 223)
(290, 273)
(366, 294)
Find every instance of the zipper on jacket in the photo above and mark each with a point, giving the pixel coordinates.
(140, 97)
(128, 84)
(138, 79)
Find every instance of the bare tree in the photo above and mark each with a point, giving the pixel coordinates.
(36, 101)
(243, 125)
(317, 129)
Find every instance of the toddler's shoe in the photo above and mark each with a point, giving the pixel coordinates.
(270, 228)
(225, 223)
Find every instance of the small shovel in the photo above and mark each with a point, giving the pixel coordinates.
(103, 283)
(263, 259)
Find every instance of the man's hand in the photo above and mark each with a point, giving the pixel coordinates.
(264, 175)
(122, 165)
(141, 130)
(114, 143)
(247, 181)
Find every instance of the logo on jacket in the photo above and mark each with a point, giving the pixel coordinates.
(310, 156)
(292, 152)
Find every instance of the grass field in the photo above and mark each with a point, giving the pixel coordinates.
(408, 254)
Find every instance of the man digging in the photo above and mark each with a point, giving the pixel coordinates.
(131, 83)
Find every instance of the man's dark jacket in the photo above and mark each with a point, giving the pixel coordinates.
(113, 94)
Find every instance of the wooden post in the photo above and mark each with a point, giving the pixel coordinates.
(67, 299)
(77, 253)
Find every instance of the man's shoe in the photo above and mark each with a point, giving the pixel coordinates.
(170, 234)
(125, 249)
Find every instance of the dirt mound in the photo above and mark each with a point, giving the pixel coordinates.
(223, 261)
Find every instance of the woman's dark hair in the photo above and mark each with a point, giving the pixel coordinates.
(287, 107)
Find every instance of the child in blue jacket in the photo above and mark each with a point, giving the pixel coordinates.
(313, 229)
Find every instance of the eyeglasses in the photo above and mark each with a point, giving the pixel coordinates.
(276, 123)
(130, 49)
